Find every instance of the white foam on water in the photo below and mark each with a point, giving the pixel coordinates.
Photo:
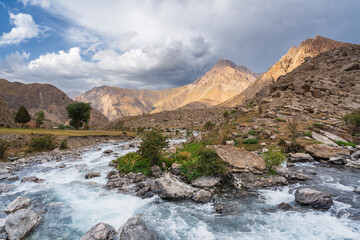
(275, 197)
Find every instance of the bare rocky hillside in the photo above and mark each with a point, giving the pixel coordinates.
(6, 116)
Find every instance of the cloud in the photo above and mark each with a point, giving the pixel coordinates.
(42, 3)
(25, 28)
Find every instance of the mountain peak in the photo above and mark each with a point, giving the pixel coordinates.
(224, 63)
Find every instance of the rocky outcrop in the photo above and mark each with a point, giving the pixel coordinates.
(240, 160)
(100, 231)
(313, 198)
(20, 223)
(324, 151)
(45, 97)
(135, 229)
(18, 203)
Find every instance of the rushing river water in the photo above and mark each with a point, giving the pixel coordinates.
(70, 205)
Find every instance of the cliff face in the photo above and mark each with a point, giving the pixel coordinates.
(222, 82)
(36, 97)
(6, 116)
(291, 60)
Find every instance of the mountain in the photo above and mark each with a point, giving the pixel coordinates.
(292, 59)
(223, 81)
(46, 97)
(6, 116)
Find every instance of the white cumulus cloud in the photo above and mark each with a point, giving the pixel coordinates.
(25, 28)
(42, 3)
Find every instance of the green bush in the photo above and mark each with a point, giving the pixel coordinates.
(207, 163)
(251, 141)
(42, 143)
(63, 144)
(133, 162)
(274, 157)
(341, 143)
(353, 121)
(308, 134)
(153, 142)
(4, 146)
(252, 132)
(318, 125)
(208, 126)
(245, 136)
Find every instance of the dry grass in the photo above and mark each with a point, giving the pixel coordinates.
(58, 132)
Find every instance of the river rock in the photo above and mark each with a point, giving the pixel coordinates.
(2, 225)
(175, 168)
(253, 181)
(136, 229)
(202, 196)
(4, 187)
(170, 186)
(5, 176)
(356, 155)
(112, 173)
(301, 157)
(20, 223)
(156, 171)
(100, 231)
(284, 206)
(313, 198)
(290, 175)
(240, 160)
(205, 181)
(108, 151)
(18, 203)
(4, 171)
(324, 151)
(32, 179)
(92, 175)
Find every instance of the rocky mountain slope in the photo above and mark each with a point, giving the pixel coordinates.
(6, 116)
(291, 60)
(36, 97)
(222, 82)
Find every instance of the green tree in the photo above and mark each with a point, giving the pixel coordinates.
(22, 116)
(40, 117)
(226, 116)
(79, 113)
(151, 146)
(353, 121)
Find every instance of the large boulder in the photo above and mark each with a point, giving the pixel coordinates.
(313, 198)
(135, 229)
(202, 196)
(254, 181)
(100, 231)
(205, 181)
(4, 187)
(169, 186)
(301, 157)
(291, 175)
(18, 203)
(324, 151)
(240, 160)
(323, 139)
(20, 223)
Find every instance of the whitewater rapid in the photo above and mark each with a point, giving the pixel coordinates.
(70, 204)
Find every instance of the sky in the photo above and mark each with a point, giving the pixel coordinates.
(157, 44)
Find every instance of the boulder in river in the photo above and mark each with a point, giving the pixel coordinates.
(240, 160)
(135, 229)
(205, 181)
(313, 198)
(92, 175)
(169, 186)
(301, 157)
(18, 203)
(4, 187)
(108, 151)
(291, 175)
(284, 206)
(202, 196)
(324, 151)
(20, 223)
(32, 179)
(253, 181)
(100, 231)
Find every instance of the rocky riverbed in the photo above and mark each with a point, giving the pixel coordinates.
(57, 201)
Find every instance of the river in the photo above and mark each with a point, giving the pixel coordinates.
(70, 204)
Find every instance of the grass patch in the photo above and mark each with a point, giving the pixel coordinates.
(341, 143)
(252, 132)
(251, 141)
(308, 134)
(280, 120)
(318, 125)
(192, 148)
(133, 162)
